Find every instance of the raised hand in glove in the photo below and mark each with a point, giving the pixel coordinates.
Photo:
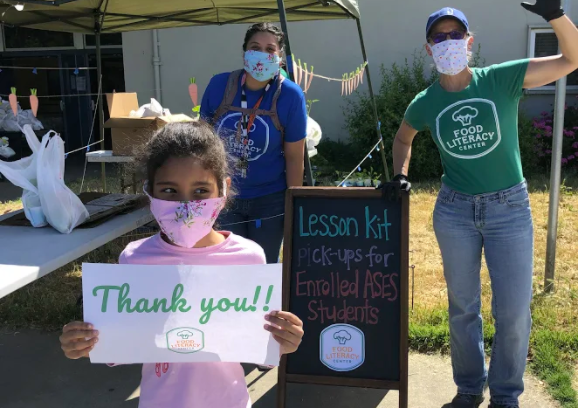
(547, 9)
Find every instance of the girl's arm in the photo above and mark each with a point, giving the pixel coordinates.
(542, 71)
(294, 156)
(402, 148)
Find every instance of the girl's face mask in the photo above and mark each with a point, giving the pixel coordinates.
(186, 222)
(261, 65)
(451, 56)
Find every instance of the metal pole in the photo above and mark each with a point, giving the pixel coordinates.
(157, 66)
(101, 102)
(283, 20)
(371, 95)
(555, 175)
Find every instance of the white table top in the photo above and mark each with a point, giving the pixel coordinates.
(27, 253)
(106, 156)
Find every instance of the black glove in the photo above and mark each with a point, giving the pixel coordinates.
(547, 9)
(404, 184)
(392, 190)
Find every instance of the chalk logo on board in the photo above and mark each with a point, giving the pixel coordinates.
(342, 347)
(185, 340)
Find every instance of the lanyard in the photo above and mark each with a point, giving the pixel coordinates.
(247, 122)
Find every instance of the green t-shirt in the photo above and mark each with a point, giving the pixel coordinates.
(476, 129)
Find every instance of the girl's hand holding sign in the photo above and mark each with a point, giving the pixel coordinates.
(78, 340)
(287, 330)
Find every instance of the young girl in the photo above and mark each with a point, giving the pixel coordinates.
(187, 174)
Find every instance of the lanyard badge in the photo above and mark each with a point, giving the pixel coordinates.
(246, 124)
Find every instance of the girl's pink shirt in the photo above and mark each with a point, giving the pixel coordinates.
(191, 385)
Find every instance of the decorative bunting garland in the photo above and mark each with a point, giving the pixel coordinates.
(349, 82)
(35, 69)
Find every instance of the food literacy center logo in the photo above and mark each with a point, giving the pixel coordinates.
(185, 340)
(258, 140)
(469, 129)
(342, 347)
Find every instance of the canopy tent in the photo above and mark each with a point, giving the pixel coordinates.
(131, 15)
(113, 16)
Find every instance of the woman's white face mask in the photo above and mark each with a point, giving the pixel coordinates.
(451, 56)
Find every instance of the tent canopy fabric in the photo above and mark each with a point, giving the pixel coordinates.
(133, 15)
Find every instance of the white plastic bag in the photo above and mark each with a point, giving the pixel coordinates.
(23, 173)
(313, 136)
(150, 110)
(26, 117)
(5, 150)
(10, 124)
(63, 209)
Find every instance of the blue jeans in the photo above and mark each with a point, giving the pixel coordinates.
(259, 219)
(501, 224)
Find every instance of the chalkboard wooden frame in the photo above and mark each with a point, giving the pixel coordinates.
(339, 192)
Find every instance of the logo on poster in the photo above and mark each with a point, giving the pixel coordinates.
(342, 347)
(185, 340)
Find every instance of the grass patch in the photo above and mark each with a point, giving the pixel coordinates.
(9, 206)
(50, 302)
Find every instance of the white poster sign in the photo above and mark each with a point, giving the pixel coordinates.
(177, 314)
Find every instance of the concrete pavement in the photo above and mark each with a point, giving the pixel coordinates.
(35, 373)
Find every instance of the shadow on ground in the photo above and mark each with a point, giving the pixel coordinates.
(323, 397)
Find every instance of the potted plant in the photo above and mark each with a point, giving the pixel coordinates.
(359, 178)
(366, 178)
(337, 178)
(375, 177)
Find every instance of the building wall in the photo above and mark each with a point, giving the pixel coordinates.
(393, 30)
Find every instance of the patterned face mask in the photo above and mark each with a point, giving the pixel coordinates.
(261, 65)
(186, 222)
(451, 56)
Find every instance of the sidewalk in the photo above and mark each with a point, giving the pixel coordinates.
(35, 373)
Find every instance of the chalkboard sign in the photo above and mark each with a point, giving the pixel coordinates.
(345, 265)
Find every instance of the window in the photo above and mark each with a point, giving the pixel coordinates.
(543, 43)
(106, 40)
(26, 38)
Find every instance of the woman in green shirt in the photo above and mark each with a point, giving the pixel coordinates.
(483, 203)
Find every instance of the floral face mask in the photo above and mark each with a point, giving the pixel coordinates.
(186, 222)
(261, 65)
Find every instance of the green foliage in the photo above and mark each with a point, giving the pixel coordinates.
(335, 159)
(530, 161)
(309, 103)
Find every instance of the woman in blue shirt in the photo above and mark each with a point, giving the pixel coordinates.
(263, 118)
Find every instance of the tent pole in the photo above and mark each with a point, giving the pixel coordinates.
(283, 20)
(557, 142)
(371, 95)
(100, 101)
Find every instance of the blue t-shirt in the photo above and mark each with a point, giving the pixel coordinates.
(266, 172)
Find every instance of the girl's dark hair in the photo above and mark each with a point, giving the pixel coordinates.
(186, 139)
(265, 28)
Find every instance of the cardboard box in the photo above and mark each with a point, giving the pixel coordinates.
(127, 132)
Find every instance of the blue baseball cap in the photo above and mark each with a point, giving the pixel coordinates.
(444, 13)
